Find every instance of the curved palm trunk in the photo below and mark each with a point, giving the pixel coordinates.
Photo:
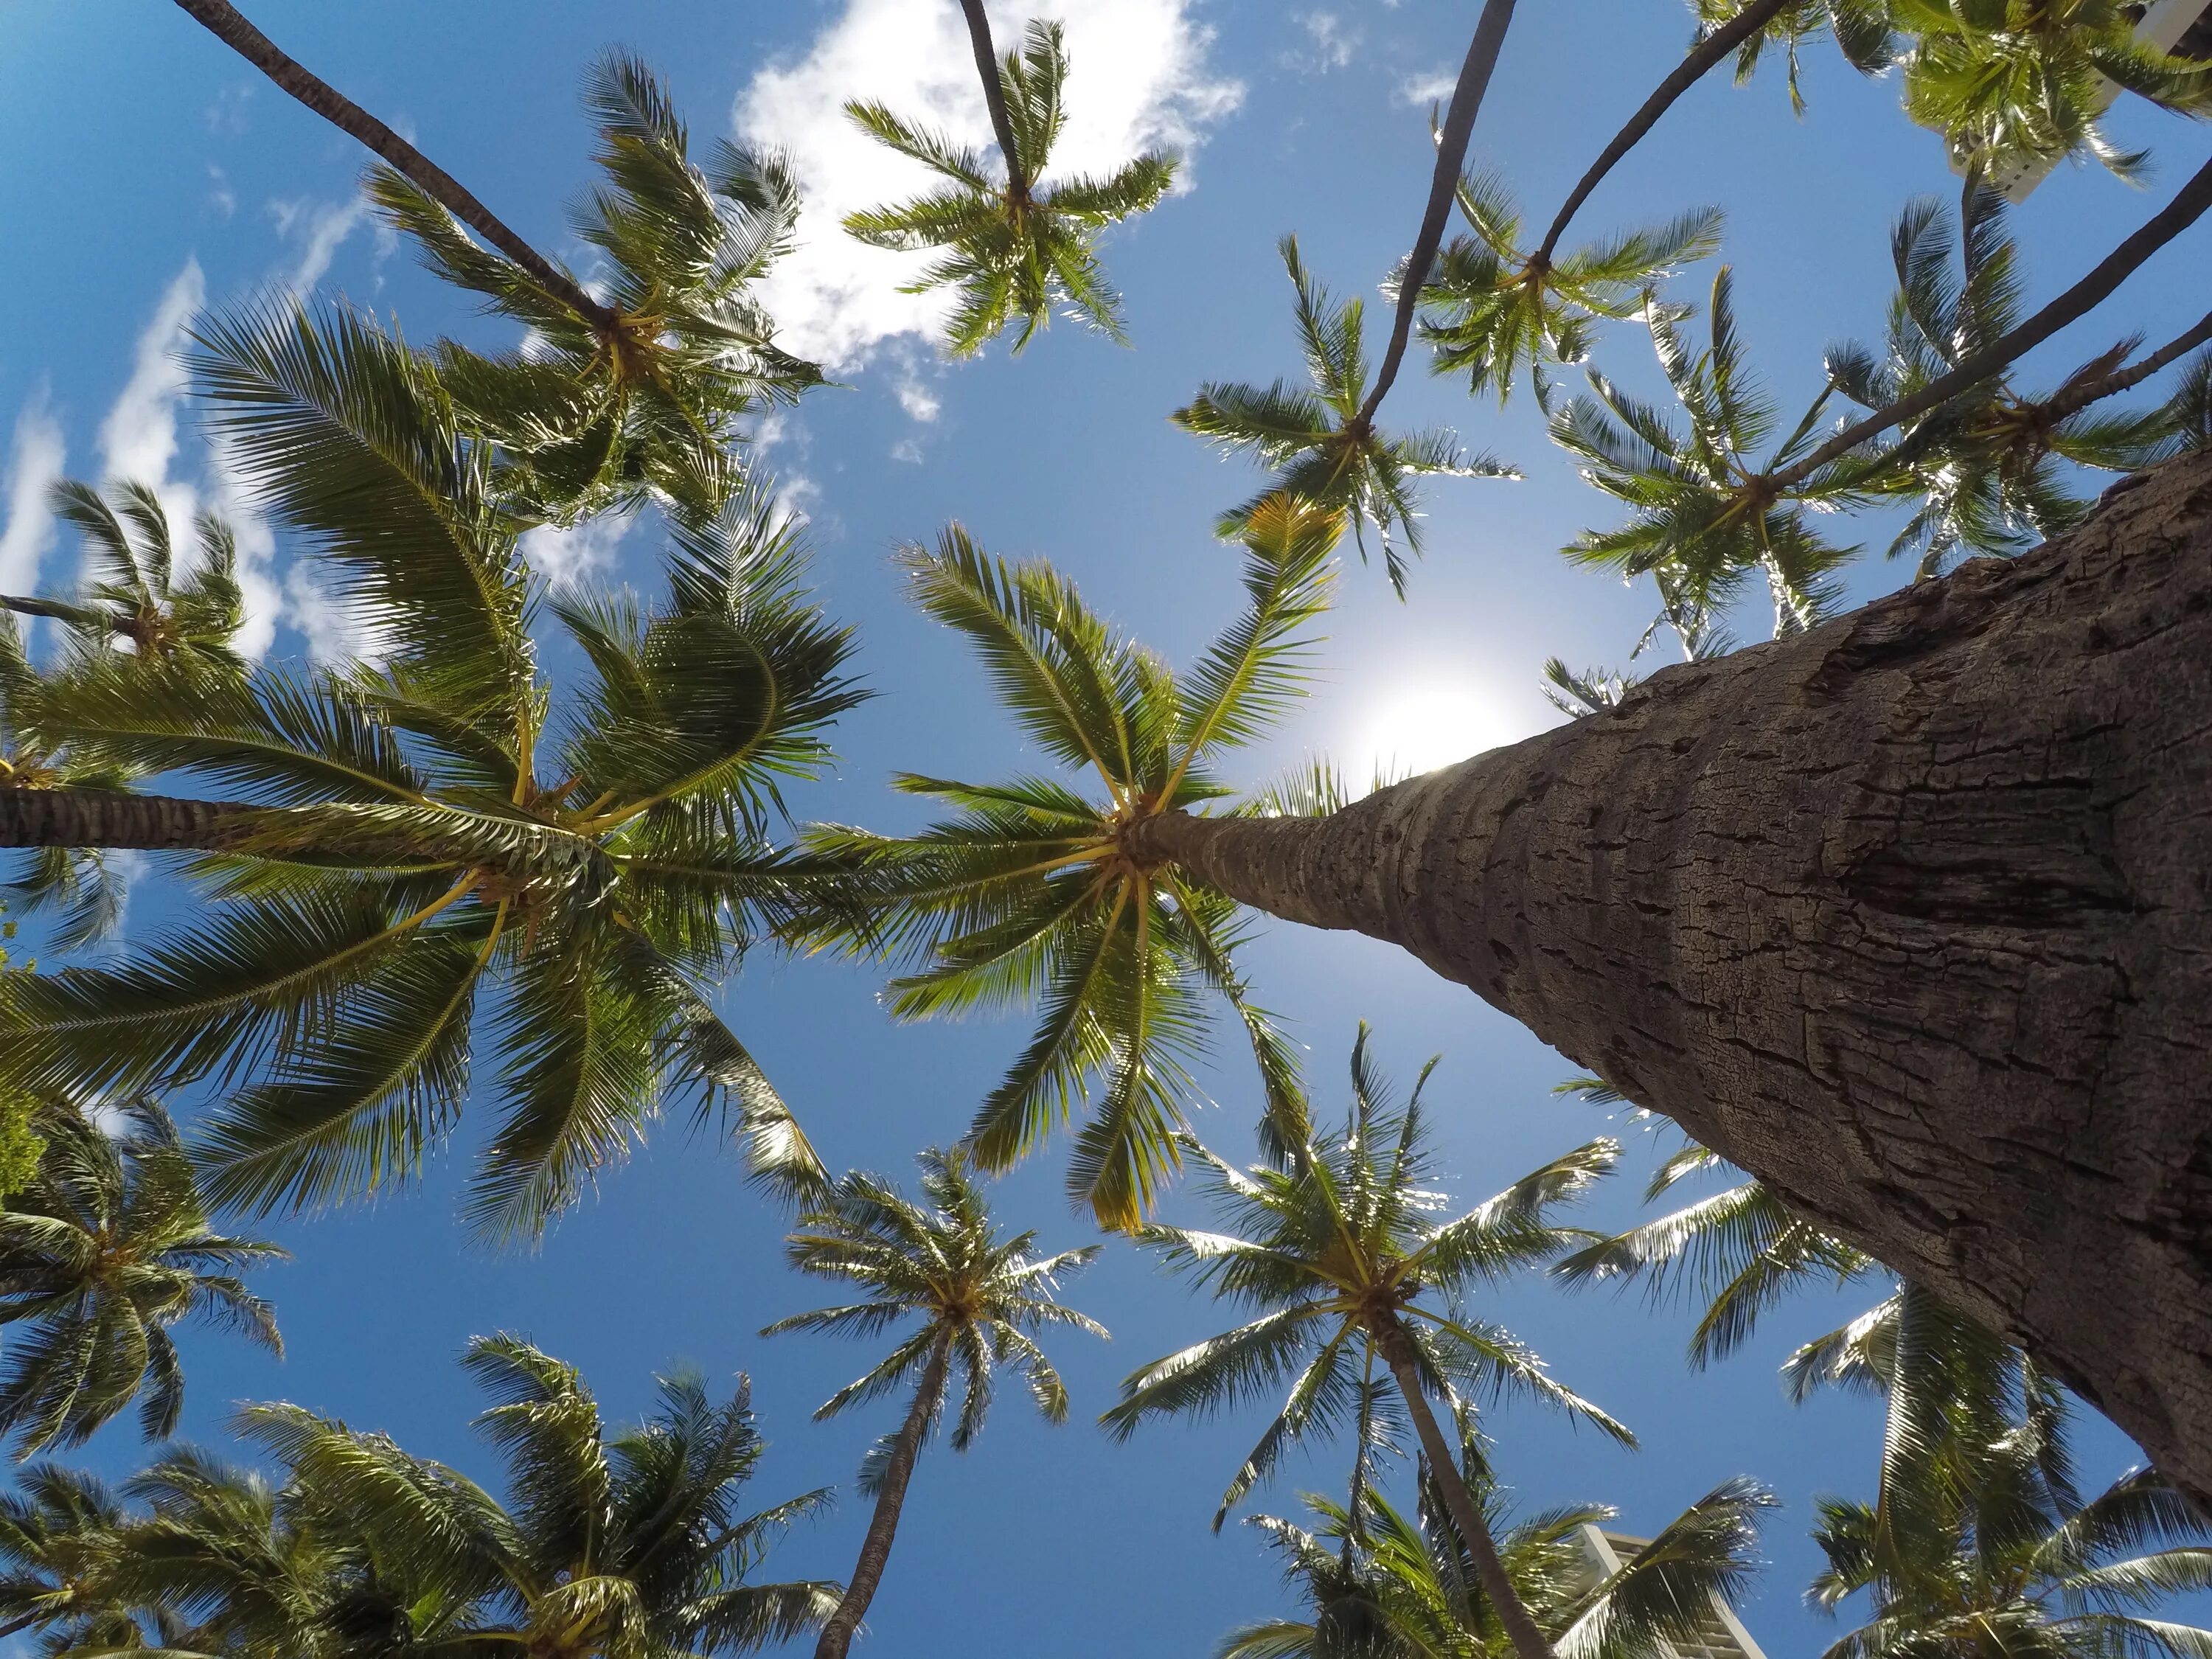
(1467, 1515)
(1908, 916)
(231, 26)
(99, 817)
(994, 93)
(891, 1499)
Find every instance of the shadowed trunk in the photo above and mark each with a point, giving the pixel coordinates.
(1467, 1515)
(100, 817)
(1910, 916)
(891, 1499)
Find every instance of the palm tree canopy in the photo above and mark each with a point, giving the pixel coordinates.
(1988, 468)
(1345, 1246)
(106, 1248)
(935, 1271)
(1323, 450)
(439, 850)
(1026, 895)
(1490, 308)
(170, 599)
(605, 411)
(1864, 31)
(1013, 246)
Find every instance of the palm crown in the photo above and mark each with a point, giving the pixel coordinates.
(1325, 450)
(1029, 895)
(1706, 515)
(1988, 468)
(1489, 309)
(646, 398)
(56, 1545)
(1013, 246)
(424, 831)
(1863, 32)
(107, 1249)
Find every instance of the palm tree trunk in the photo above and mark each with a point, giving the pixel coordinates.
(101, 817)
(1906, 915)
(235, 30)
(22, 1624)
(994, 93)
(891, 1499)
(1467, 1515)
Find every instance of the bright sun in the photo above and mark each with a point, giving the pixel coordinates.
(1423, 730)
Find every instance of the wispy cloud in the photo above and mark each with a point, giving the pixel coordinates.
(566, 557)
(318, 230)
(35, 462)
(139, 439)
(1432, 88)
(1334, 42)
(1139, 78)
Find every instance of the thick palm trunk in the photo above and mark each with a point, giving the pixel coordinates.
(236, 31)
(100, 817)
(1910, 916)
(891, 1499)
(1467, 1515)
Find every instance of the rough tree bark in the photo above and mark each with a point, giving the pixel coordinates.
(1907, 915)
(102, 818)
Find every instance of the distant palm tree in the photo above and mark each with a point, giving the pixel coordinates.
(641, 395)
(971, 1298)
(1988, 468)
(1863, 32)
(1707, 516)
(414, 834)
(630, 1542)
(1385, 1586)
(106, 1248)
(1012, 246)
(1324, 450)
(1028, 897)
(1490, 309)
(1340, 1252)
(57, 1532)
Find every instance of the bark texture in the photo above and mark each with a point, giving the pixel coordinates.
(891, 1497)
(1910, 916)
(1467, 1515)
(100, 817)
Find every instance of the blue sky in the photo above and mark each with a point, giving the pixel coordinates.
(152, 172)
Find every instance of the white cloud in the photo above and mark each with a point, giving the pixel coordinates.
(1333, 43)
(35, 461)
(907, 450)
(319, 228)
(1435, 89)
(566, 557)
(139, 439)
(220, 197)
(1139, 80)
(919, 401)
(257, 550)
(334, 632)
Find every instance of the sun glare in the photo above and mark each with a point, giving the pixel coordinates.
(1423, 730)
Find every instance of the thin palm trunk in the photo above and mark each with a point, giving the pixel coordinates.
(101, 817)
(1467, 1515)
(2134, 374)
(55, 609)
(1451, 158)
(891, 1499)
(236, 31)
(2188, 205)
(994, 95)
(1905, 914)
(1691, 69)
(14, 1625)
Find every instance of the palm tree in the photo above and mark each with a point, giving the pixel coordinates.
(2018, 86)
(140, 595)
(419, 838)
(631, 1542)
(1382, 1585)
(963, 1297)
(1707, 516)
(1339, 1249)
(106, 1248)
(1864, 31)
(1988, 468)
(1490, 309)
(1013, 246)
(58, 1539)
(1027, 894)
(1325, 450)
(641, 394)
(2000, 1555)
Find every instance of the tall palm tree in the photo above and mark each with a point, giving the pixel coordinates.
(642, 395)
(1490, 309)
(1027, 895)
(107, 1249)
(963, 1296)
(1013, 246)
(1863, 30)
(2020, 85)
(631, 1541)
(1340, 1251)
(1324, 449)
(2001, 1555)
(1387, 1586)
(58, 1540)
(423, 849)
(1990, 468)
(1707, 515)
